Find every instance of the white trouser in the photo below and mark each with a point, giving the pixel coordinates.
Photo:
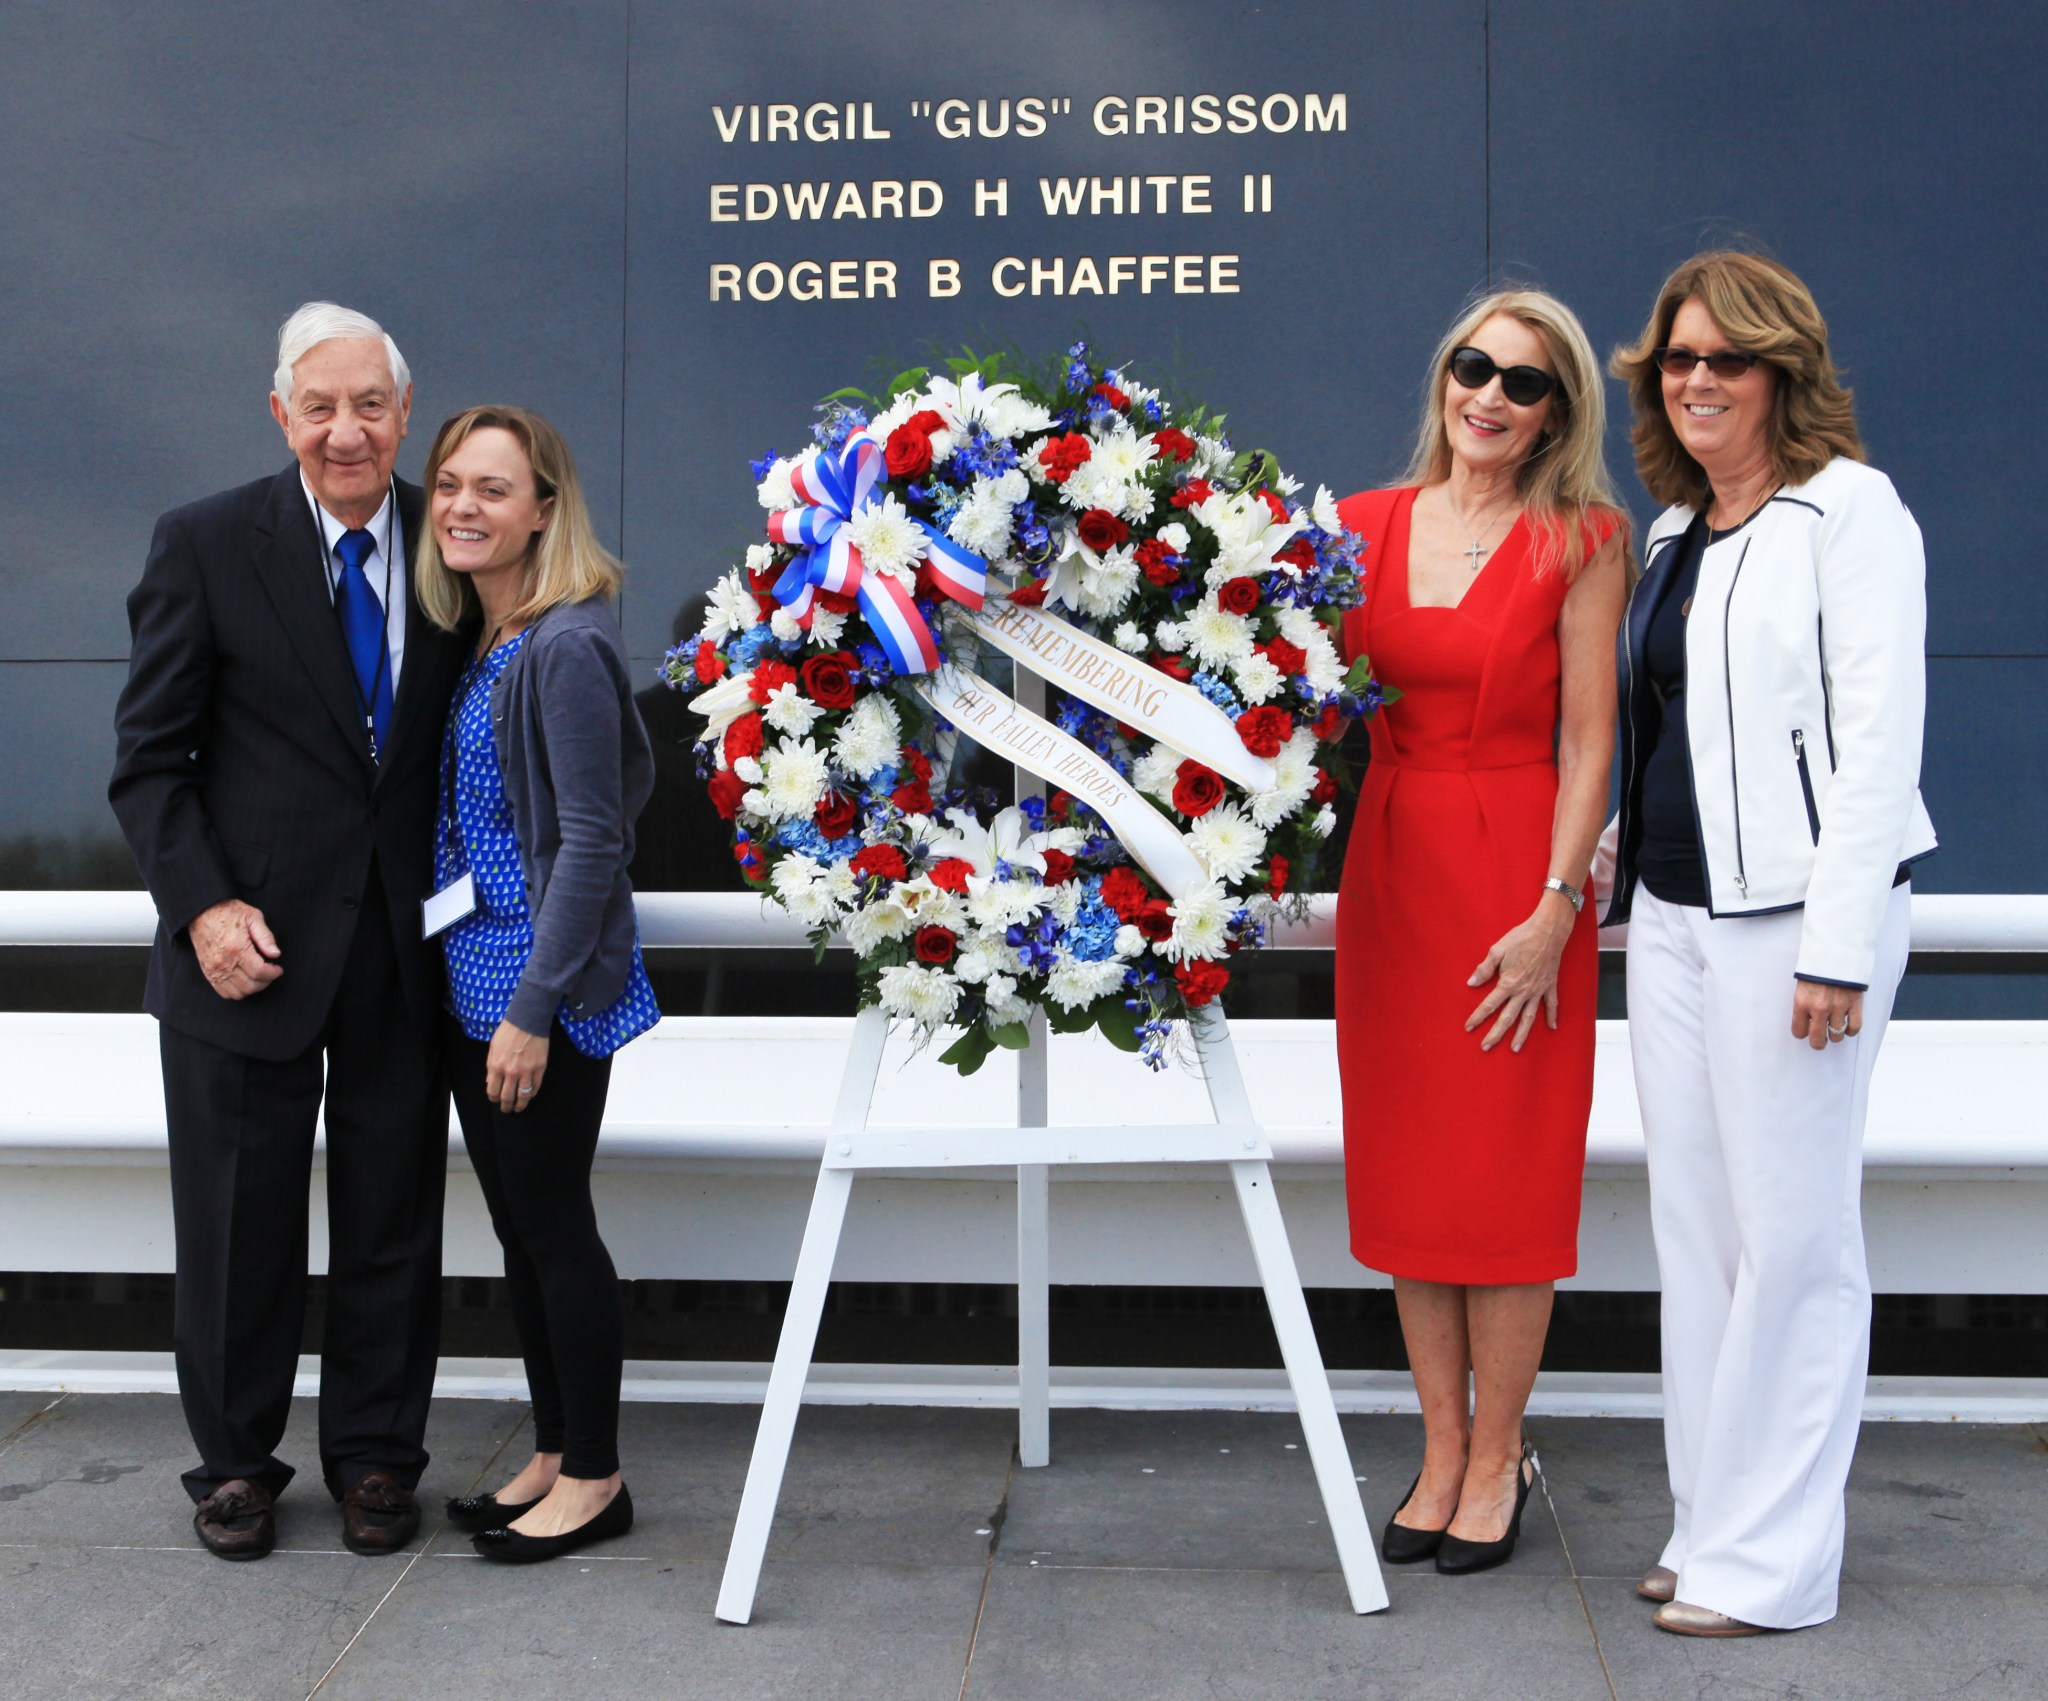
(1756, 1167)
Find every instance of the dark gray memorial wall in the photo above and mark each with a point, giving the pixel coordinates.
(523, 193)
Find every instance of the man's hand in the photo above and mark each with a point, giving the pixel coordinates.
(236, 952)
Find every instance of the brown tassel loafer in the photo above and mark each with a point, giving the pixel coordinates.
(378, 1515)
(236, 1521)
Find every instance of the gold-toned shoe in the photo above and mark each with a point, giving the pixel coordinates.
(1660, 1583)
(1683, 1619)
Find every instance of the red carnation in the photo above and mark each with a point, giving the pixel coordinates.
(1330, 724)
(1288, 658)
(1059, 867)
(914, 795)
(1062, 456)
(908, 453)
(1196, 789)
(770, 676)
(950, 873)
(1155, 561)
(1200, 983)
(881, 862)
(761, 581)
(1171, 443)
(1297, 554)
(1265, 730)
(1274, 505)
(828, 680)
(1238, 596)
(836, 814)
(1194, 491)
(835, 602)
(1174, 667)
(1276, 877)
(710, 664)
(1325, 788)
(934, 945)
(743, 738)
(726, 789)
(1029, 596)
(1059, 805)
(1153, 921)
(1124, 892)
(1112, 395)
(1101, 530)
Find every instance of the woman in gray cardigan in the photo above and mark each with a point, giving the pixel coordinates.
(545, 766)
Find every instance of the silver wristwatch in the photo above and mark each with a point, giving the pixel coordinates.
(1572, 895)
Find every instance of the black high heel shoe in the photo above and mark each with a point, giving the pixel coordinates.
(472, 1512)
(511, 1547)
(1457, 1557)
(1403, 1544)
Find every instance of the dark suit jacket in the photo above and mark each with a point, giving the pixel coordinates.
(242, 767)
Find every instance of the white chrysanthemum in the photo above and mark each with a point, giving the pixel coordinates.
(983, 522)
(801, 892)
(1128, 638)
(870, 738)
(869, 925)
(776, 492)
(827, 628)
(1003, 903)
(1325, 822)
(1171, 636)
(1074, 984)
(1228, 842)
(888, 539)
(1003, 1003)
(731, 607)
(974, 963)
(1154, 772)
(1215, 636)
(784, 625)
(1286, 484)
(841, 883)
(1129, 941)
(1113, 476)
(794, 777)
(1108, 582)
(1325, 668)
(1201, 920)
(1294, 777)
(789, 711)
(1323, 511)
(1065, 902)
(1258, 680)
(926, 996)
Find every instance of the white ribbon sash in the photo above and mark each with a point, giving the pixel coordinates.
(1164, 709)
(990, 718)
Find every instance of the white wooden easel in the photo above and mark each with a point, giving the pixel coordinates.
(851, 1146)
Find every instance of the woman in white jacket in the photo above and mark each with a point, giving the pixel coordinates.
(1773, 689)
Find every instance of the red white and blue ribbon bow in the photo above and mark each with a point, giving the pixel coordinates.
(832, 489)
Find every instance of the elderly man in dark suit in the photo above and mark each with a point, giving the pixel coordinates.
(279, 737)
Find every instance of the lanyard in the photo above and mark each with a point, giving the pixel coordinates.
(366, 705)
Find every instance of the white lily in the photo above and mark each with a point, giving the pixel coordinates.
(722, 704)
(1008, 839)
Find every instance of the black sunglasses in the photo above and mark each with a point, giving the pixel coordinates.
(1525, 386)
(1723, 362)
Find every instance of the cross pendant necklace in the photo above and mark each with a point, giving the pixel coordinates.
(1478, 549)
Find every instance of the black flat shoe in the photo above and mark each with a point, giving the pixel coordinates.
(1457, 1557)
(510, 1547)
(1403, 1544)
(473, 1512)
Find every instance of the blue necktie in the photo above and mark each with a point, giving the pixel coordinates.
(362, 625)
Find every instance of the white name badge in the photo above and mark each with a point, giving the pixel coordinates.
(447, 906)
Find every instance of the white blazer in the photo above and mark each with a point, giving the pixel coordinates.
(1806, 690)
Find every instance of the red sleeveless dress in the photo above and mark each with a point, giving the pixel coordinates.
(1460, 1165)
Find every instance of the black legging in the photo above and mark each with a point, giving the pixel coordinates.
(534, 1167)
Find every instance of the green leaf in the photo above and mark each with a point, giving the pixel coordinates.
(821, 942)
(849, 394)
(970, 1051)
(1077, 1020)
(910, 378)
(1011, 1036)
(1359, 676)
(1119, 1026)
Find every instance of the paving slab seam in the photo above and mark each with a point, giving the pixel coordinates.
(28, 1423)
(1572, 1567)
(996, 1520)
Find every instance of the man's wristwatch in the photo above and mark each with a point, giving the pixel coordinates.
(1572, 895)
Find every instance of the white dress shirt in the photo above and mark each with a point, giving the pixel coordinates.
(385, 529)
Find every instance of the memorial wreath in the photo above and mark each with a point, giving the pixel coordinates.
(1184, 610)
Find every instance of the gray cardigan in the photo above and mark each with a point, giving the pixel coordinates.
(577, 768)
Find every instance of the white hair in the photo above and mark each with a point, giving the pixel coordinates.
(322, 321)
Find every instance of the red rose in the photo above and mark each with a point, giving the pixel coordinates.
(836, 814)
(761, 581)
(1238, 596)
(1195, 490)
(1199, 983)
(950, 873)
(1061, 456)
(1102, 531)
(1288, 658)
(1059, 867)
(1171, 443)
(1196, 789)
(743, 738)
(1265, 730)
(934, 945)
(908, 453)
(1274, 506)
(1297, 554)
(1029, 596)
(1153, 921)
(1059, 805)
(880, 862)
(1155, 561)
(828, 680)
(1330, 724)
(1325, 788)
(835, 602)
(710, 664)
(769, 676)
(1112, 395)
(927, 420)
(1276, 877)
(1124, 892)
(726, 789)
(914, 795)
(1174, 667)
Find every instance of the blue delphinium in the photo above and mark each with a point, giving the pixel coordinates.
(764, 466)
(1217, 692)
(1032, 535)
(837, 421)
(1079, 378)
(1034, 942)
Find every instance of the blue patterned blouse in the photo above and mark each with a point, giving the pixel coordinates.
(487, 949)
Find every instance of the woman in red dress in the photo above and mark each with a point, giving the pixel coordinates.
(1494, 582)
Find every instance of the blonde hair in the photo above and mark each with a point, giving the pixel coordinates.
(566, 562)
(1564, 481)
(1764, 309)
